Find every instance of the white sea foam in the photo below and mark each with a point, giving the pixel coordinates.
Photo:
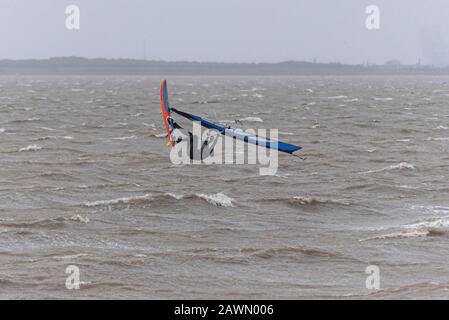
(400, 166)
(161, 135)
(438, 139)
(218, 199)
(47, 129)
(286, 133)
(30, 148)
(125, 138)
(423, 228)
(251, 119)
(2, 130)
(123, 200)
(337, 97)
(79, 218)
(175, 196)
(442, 222)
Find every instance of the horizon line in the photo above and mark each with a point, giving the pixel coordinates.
(391, 62)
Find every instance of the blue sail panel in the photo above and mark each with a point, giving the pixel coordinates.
(246, 137)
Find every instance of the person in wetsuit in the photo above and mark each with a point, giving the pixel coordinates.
(205, 150)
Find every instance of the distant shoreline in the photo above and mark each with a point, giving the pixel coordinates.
(84, 66)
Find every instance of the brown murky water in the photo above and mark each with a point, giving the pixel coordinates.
(85, 180)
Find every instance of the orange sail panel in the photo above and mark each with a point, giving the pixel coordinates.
(168, 121)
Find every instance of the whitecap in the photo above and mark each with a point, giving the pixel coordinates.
(400, 166)
(123, 200)
(286, 133)
(442, 222)
(175, 196)
(218, 199)
(337, 97)
(79, 218)
(161, 135)
(251, 119)
(125, 138)
(438, 139)
(30, 148)
(47, 129)
(431, 226)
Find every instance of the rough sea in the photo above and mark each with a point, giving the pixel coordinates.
(86, 181)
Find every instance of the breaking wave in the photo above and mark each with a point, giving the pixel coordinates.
(400, 166)
(30, 148)
(400, 234)
(124, 200)
(217, 199)
(429, 227)
(251, 119)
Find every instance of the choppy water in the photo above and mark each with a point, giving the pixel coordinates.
(85, 180)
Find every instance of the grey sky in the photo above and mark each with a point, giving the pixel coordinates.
(228, 30)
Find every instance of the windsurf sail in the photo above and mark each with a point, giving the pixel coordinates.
(237, 134)
(170, 125)
(166, 114)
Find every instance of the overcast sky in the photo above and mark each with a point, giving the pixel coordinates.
(228, 30)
